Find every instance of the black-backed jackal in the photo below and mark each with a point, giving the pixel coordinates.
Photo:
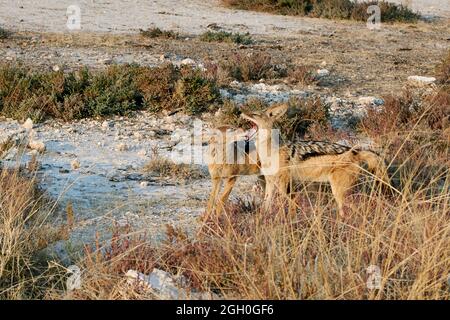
(224, 143)
(313, 161)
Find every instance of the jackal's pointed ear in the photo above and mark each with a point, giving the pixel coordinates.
(277, 111)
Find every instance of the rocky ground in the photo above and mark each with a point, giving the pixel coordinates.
(96, 165)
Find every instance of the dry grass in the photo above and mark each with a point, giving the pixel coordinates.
(166, 168)
(303, 75)
(23, 233)
(413, 124)
(443, 70)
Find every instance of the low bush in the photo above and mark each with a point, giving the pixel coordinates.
(4, 34)
(120, 89)
(223, 36)
(251, 67)
(158, 33)
(331, 9)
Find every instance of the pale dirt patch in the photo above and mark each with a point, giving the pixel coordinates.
(190, 16)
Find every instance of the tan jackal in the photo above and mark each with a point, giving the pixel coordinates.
(222, 143)
(314, 161)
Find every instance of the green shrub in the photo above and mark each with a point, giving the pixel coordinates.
(157, 86)
(4, 34)
(390, 12)
(194, 93)
(119, 89)
(223, 36)
(158, 33)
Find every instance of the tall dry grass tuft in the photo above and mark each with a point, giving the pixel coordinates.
(23, 233)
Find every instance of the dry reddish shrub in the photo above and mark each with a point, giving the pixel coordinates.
(301, 75)
(443, 70)
(157, 86)
(331, 9)
(250, 67)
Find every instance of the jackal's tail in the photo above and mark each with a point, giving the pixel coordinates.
(375, 163)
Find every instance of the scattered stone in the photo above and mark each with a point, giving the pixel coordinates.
(165, 285)
(188, 61)
(367, 101)
(75, 164)
(56, 68)
(144, 184)
(28, 124)
(421, 81)
(323, 72)
(37, 145)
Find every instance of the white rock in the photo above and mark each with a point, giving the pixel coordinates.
(370, 101)
(36, 145)
(144, 184)
(158, 281)
(56, 68)
(188, 61)
(164, 284)
(236, 84)
(421, 81)
(28, 124)
(323, 72)
(75, 164)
